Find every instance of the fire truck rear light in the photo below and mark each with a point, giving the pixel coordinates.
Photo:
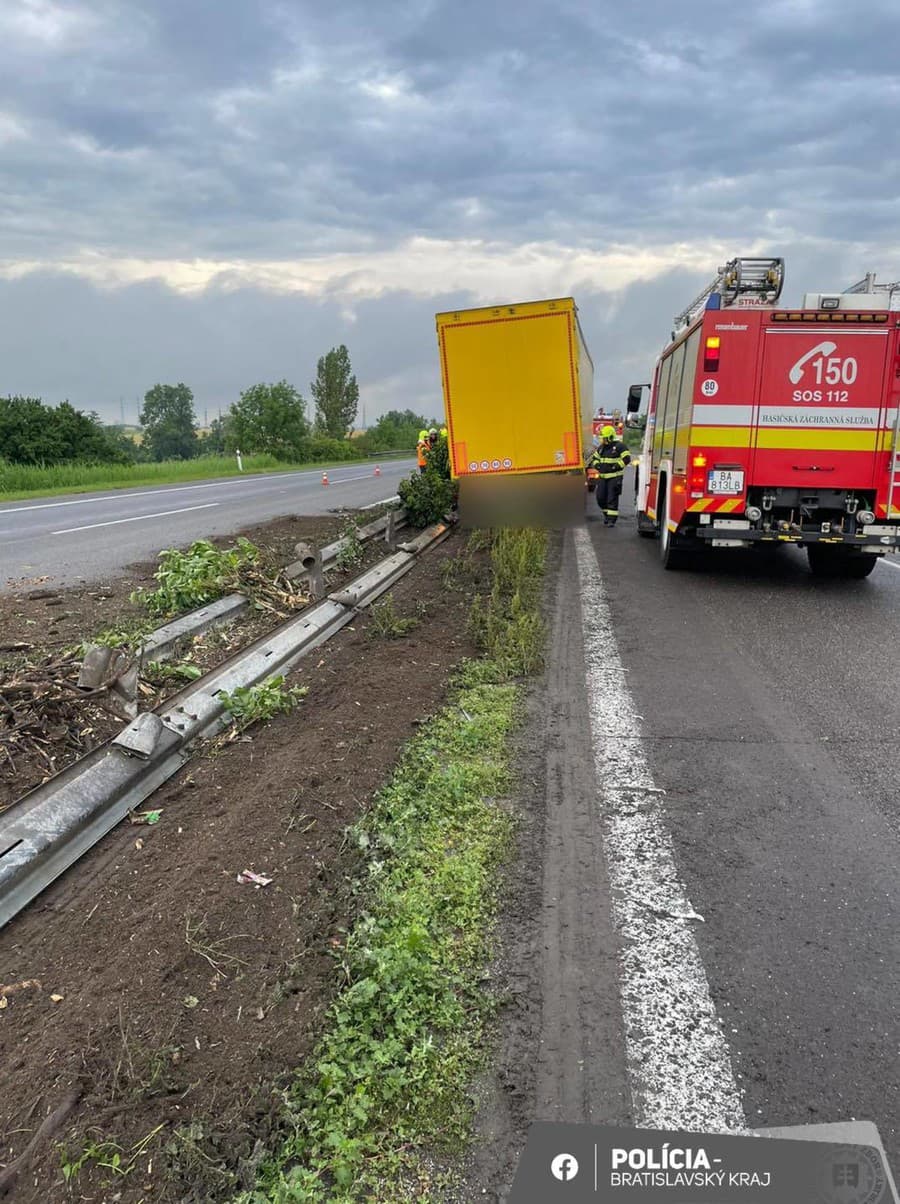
(699, 461)
(711, 354)
(865, 517)
(753, 513)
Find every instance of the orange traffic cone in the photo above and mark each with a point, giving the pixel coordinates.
(324, 478)
(377, 470)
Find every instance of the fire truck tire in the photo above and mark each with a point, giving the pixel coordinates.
(646, 526)
(672, 557)
(835, 562)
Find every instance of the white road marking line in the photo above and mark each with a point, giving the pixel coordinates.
(135, 519)
(161, 489)
(374, 505)
(678, 1059)
(343, 480)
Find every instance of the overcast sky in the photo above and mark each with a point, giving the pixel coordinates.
(218, 191)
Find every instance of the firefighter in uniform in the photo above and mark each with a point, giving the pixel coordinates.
(423, 447)
(610, 459)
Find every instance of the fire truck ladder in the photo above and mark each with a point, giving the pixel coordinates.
(740, 277)
(895, 466)
(868, 285)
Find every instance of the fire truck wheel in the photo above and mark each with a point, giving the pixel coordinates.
(671, 556)
(835, 562)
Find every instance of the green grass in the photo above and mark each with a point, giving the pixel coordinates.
(19, 481)
(507, 625)
(388, 1084)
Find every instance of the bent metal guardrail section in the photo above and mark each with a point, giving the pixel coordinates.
(50, 828)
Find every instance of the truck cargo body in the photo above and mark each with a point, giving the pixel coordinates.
(772, 425)
(518, 388)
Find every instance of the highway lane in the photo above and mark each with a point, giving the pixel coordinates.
(83, 537)
(769, 715)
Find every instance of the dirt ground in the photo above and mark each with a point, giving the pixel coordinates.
(49, 618)
(174, 999)
(47, 625)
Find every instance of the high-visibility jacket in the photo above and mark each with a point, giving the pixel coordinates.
(422, 449)
(610, 459)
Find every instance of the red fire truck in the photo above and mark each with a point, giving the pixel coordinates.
(604, 418)
(770, 424)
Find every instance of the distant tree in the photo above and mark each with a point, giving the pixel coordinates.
(268, 418)
(131, 450)
(169, 422)
(397, 430)
(34, 433)
(212, 443)
(335, 393)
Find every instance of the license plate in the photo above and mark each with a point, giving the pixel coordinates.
(726, 480)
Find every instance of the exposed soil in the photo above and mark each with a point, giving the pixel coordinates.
(183, 996)
(50, 624)
(51, 618)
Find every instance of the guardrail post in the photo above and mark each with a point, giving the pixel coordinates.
(390, 527)
(316, 576)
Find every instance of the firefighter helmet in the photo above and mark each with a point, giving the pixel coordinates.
(608, 432)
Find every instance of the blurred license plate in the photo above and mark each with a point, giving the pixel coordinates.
(726, 480)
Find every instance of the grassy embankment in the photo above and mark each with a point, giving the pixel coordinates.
(389, 1082)
(18, 481)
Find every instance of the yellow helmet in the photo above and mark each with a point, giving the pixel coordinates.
(443, 432)
(423, 435)
(608, 432)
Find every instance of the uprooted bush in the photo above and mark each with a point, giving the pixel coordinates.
(205, 572)
(427, 498)
(199, 575)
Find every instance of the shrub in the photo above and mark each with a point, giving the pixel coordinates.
(426, 498)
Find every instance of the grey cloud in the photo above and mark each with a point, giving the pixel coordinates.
(256, 128)
(272, 130)
(67, 339)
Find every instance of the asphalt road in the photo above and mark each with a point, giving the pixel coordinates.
(83, 537)
(719, 903)
(770, 718)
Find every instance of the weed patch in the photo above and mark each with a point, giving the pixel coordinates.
(386, 624)
(389, 1078)
(507, 625)
(352, 550)
(251, 704)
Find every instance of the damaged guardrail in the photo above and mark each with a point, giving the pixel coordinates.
(309, 564)
(50, 828)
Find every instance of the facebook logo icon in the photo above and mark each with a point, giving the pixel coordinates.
(564, 1167)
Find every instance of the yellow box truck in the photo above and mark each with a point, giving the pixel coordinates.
(518, 388)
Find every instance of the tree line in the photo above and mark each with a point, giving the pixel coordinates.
(267, 418)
